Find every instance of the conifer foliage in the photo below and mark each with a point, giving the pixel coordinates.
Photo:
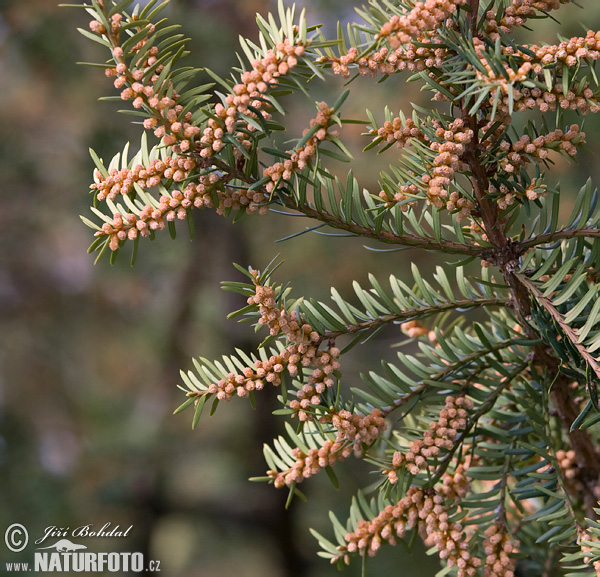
(483, 442)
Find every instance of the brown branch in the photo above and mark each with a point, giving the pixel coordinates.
(472, 16)
(558, 235)
(480, 182)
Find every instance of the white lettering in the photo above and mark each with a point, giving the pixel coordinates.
(113, 562)
(90, 562)
(125, 562)
(55, 564)
(17, 567)
(41, 561)
(53, 531)
(137, 562)
(80, 562)
(83, 531)
(102, 532)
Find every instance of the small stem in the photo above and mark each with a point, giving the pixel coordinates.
(558, 235)
(576, 515)
(501, 511)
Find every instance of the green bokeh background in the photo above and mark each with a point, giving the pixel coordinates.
(89, 355)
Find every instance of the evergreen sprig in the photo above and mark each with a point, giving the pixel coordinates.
(481, 433)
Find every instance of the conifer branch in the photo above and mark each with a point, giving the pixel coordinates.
(407, 240)
(420, 313)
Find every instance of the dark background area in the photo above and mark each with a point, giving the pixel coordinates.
(89, 355)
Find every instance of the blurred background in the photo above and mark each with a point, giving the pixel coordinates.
(90, 355)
